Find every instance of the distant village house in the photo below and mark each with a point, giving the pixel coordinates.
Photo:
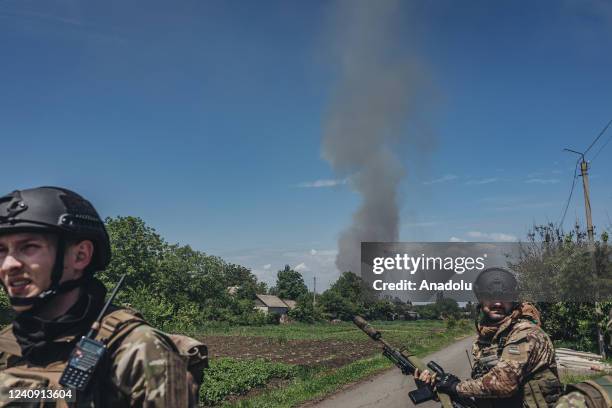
(274, 304)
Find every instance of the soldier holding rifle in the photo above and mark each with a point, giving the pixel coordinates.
(514, 359)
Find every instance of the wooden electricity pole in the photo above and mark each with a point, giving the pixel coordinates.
(584, 168)
(584, 172)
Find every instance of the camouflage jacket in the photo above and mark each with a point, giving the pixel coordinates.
(516, 360)
(572, 400)
(144, 368)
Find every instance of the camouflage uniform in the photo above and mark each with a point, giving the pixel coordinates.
(595, 393)
(144, 368)
(513, 368)
(572, 400)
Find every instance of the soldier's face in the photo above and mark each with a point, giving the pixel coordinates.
(26, 261)
(496, 310)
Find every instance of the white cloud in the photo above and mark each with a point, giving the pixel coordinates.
(267, 266)
(443, 179)
(301, 268)
(492, 236)
(322, 183)
(313, 252)
(541, 181)
(455, 239)
(482, 181)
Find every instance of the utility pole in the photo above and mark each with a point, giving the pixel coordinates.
(584, 172)
(584, 167)
(314, 292)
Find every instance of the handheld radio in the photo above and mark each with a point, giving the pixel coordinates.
(87, 353)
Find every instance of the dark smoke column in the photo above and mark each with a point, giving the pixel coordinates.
(370, 106)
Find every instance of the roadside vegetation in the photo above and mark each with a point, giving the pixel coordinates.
(325, 356)
(576, 378)
(228, 376)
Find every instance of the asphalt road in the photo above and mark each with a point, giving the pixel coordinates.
(390, 389)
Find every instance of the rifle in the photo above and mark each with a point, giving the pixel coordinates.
(407, 363)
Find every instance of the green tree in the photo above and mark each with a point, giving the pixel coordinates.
(137, 250)
(290, 284)
(237, 275)
(447, 308)
(381, 310)
(175, 285)
(428, 312)
(567, 272)
(348, 296)
(305, 311)
(352, 286)
(337, 306)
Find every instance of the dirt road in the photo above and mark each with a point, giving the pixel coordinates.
(390, 389)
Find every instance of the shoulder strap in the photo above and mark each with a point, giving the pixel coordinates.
(596, 396)
(604, 386)
(8, 342)
(194, 351)
(117, 324)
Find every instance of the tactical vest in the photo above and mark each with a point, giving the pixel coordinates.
(598, 392)
(540, 390)
(115, 326)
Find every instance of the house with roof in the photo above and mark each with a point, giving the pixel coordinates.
(273, 304)
(291, 304)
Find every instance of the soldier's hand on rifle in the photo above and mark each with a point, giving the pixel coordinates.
(426, 376)
(447, 384)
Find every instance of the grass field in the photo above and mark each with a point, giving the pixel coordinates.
(325, 357)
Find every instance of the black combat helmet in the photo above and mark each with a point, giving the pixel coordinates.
(496, 284)
(62, 212)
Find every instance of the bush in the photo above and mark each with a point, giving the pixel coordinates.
(273, 318)
(428, 312)
(227, 376)
(305, 312)
(571, 324)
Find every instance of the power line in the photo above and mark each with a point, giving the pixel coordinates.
(569, 199)
(583, 154)
(598, 136)
(601, 148)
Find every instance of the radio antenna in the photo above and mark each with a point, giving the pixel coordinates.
(96, 325)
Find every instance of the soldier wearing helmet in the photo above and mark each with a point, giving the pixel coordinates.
(514, 364)
(52, 241)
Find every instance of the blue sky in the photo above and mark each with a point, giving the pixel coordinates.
(205, 118)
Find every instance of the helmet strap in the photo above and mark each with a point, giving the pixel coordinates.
(58, 265)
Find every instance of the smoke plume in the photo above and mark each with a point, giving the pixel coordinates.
(370, 105)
